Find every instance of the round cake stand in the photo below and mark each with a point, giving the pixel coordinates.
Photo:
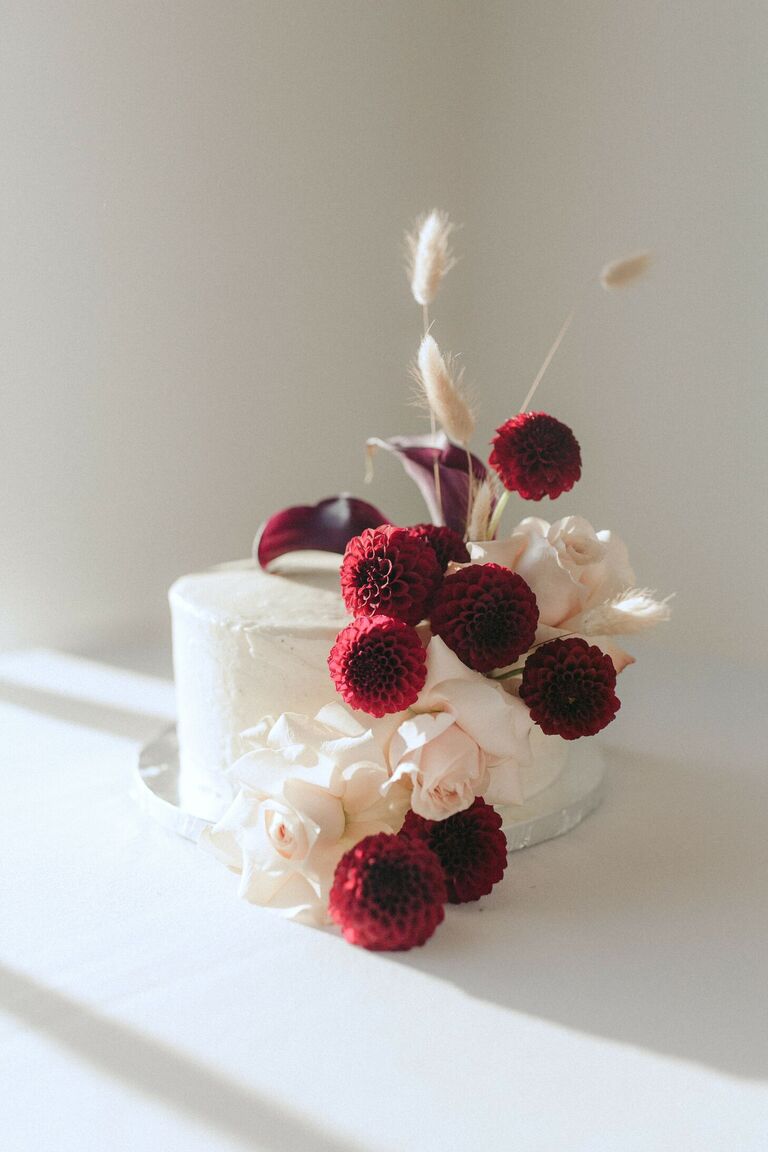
(573, 795)
(564, 804)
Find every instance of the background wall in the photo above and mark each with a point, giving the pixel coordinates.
(203, 312)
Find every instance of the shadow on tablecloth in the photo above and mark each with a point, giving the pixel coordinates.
(647, 924)
(95, 715)
(161, 1072)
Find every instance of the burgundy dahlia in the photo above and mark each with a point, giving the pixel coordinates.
(378, 664)
(447, 544)
(388, 893)
(387, 571)
(569, 687)
(535, 455)
(486, 614)
(470, 845)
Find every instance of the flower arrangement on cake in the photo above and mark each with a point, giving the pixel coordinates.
(467, 650)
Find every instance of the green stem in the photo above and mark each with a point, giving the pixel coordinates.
(498, 512)
(508, 675)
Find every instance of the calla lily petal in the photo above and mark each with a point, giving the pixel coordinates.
(325, 527)
(417, 454)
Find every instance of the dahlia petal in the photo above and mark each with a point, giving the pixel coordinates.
(569, 686)
(386, 571)
(486, 614)
(417, 454)
(388, 893)
(470, 845)
(621, 659)
(448, 545)
(536, 455)
(378, 664)
(324, 527)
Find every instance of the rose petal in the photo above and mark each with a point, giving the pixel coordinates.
(498, 722)
(324, 527)
(505, 785)
(446, 767)
(611, 575)
(417, 454)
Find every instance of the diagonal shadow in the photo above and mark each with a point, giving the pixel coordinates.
(642, 925)
(86, 713)
(161, 1072)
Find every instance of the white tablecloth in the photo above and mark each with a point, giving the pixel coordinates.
(610, 994)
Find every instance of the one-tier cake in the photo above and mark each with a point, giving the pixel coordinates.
(370, 715)
(248, 643)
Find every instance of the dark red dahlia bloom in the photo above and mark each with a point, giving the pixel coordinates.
(378, 664)
(486, 614)
(536, 455)
(568, 686)
(470, 846)
(387, 571)
(448, 545)
(388, 893)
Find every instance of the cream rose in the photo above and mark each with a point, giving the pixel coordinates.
(464, 737)
(307, 790)
(445, 767)
(568, 565)
(576, 543)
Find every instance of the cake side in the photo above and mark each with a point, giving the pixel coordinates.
(247, 643)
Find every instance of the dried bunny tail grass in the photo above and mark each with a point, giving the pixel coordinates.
(483, 496)
(547, 361)
(623, 272)
(429, 255)
(633, 611)
(442, 392)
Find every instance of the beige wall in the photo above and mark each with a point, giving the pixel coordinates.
(202, 311)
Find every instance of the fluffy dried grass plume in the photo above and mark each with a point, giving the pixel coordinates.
(429, 255)
(442, 392)
(633, 611)
(478, 527)
(626, 271)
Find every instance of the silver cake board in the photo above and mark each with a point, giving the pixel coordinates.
(577, 791)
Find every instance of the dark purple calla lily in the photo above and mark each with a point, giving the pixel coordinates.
(417, 455)
(325, 527)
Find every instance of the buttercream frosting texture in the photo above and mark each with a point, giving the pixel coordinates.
(247, 643)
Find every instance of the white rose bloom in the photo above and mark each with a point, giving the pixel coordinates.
(464, 737)
(568, 565)
(447, 769)
(576, 543)
(610, 575)
(530, 553)
(308, 790)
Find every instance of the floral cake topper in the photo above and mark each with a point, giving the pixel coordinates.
(465, 651)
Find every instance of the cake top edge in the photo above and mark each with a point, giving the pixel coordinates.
(301, 591)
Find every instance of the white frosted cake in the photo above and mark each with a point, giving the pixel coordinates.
(248, 643)
(366, 738)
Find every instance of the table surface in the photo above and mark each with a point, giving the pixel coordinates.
(610, 994)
